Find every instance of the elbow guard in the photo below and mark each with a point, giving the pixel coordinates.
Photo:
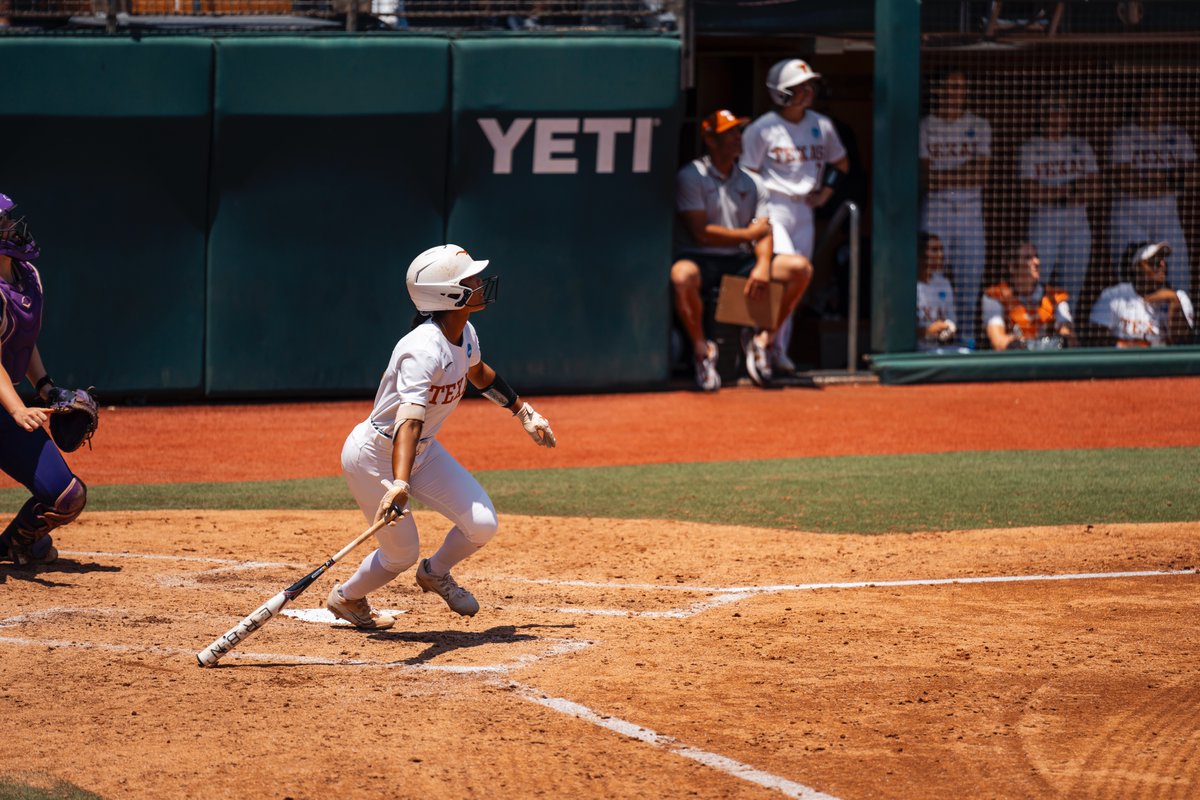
(832, 177)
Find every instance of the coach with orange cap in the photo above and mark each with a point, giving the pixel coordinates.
(723, 229)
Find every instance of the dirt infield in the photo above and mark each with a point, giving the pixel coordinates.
(618, 658)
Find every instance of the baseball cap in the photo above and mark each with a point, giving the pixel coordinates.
(721, 121)
(1150, 251)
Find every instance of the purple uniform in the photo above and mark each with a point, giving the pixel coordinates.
(29, 457)
(20, 319)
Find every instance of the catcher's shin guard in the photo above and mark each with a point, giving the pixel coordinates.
(35, 520)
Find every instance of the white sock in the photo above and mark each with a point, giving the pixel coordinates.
(370, 576)
(455, 549)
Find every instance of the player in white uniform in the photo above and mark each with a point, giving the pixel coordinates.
(1059, 177)
(1143, 310)
(936, 327)
(1152, 160)
(955, 149)
(801, 159)
(394, 454)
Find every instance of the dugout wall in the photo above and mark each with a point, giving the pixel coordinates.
(562, 173)
(106, 149)
(234, 216)
(328, 175)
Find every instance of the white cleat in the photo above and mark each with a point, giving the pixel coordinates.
(357, 612)
(758, 364)
(707, 377)
(459, 599)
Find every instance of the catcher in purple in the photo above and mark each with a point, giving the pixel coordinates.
(28, 454)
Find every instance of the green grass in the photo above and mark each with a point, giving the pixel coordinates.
(18, 788)
(846, 494)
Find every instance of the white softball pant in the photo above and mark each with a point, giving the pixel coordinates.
(792, 233)
(959, 224)
(1151, 219)
(437, 480)
(1063, 240)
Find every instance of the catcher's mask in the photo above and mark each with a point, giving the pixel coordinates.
(15, 239)
(435, 279)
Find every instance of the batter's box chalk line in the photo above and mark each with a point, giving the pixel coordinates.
(729, 766)
(552, 646)
(731, 594)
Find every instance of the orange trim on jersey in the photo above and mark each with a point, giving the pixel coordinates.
(1030, 325)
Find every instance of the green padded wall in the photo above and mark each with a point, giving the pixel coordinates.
(1078, 364)
(562, 174)
(328, 177)
(106, 146)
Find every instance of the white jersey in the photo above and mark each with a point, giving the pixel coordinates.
(1057, 162)
(1128, 316)
(935, 300)
(949, 144)
(1165, 148)
(791, 156)
(427, 370)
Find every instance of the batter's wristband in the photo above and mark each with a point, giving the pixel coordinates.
(500, 393)
(43, 381)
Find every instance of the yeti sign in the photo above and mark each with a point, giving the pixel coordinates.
(559, 141)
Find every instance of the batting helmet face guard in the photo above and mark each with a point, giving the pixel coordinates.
(785, 76)
(15, 239)
(435, 280)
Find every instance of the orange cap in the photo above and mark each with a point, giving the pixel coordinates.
(721, 121)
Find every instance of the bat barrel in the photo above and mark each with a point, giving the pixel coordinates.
(210, 655)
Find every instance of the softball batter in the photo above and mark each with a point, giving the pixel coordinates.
(394, 454)
(26, 452)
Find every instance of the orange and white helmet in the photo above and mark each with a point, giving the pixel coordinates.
(435, 280)
(786, 75)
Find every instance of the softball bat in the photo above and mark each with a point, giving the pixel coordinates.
(271, 609)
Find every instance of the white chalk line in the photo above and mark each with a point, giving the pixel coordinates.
(322, 616)
(729, 766)
(194, 559)
(725, 594)
(557, 647)
(673, 613)
(798, 587)
(732, 594)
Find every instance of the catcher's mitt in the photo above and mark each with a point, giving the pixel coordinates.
(74, 417)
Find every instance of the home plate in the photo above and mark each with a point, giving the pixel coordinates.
(326, 617)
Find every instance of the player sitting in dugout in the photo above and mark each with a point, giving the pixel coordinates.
(1143, 310)
(1021, 313)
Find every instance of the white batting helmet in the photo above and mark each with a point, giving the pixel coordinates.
(786, 75)
(435, 279)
